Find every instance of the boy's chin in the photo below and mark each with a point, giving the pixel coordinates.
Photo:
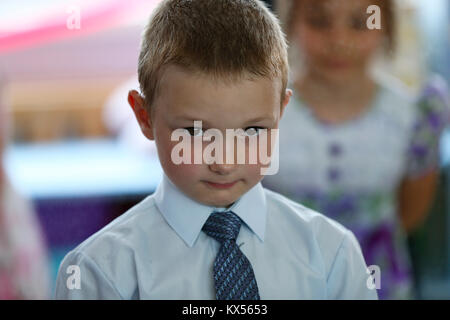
(218, 203)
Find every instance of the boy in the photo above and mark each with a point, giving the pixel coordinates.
(211, 231)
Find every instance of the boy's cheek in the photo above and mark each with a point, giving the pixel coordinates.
(256, 173)
(184, 174)
(187, 171)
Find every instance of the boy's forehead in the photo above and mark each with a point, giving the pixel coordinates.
(188, 95)
(184, 76)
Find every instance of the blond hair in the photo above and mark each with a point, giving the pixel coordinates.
(225, 39)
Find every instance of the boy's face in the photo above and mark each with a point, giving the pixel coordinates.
(184, 97)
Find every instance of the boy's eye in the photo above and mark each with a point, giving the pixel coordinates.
(253, 131)
(249, 131)
(195, 132)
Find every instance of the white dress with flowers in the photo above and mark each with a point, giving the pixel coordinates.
(351, 171)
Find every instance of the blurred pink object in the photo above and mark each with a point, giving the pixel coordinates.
(24, 270)
(53, 25)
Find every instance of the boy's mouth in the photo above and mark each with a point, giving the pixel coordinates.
(220, 185)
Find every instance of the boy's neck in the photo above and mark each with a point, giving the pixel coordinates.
(228, 206)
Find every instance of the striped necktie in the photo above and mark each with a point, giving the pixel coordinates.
(233, 274)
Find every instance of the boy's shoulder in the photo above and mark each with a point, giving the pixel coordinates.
(296, 211)
(323, 246)
(306, 224)
(110, 254)
(136, 223)
(122, 233)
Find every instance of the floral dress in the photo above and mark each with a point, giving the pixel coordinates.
(351, 171)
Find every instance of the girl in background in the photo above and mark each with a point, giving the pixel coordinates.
(24, 272)
(354, 146)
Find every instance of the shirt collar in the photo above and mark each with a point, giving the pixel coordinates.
(187, 216)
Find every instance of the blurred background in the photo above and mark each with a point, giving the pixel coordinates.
(74, 151)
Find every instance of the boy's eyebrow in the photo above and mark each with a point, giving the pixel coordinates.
(258, 119)
(206, 123)
(189, 119)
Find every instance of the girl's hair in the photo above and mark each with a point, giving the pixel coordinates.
(288, 12)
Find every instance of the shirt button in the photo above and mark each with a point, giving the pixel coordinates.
(333, 174)
(335, 149)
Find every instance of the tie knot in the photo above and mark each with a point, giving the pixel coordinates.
(222, 226)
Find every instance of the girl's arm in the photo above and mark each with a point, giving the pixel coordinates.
(417, 190)
(416, 196)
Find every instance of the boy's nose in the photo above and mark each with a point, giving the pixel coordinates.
(229, 159)
(223, 168)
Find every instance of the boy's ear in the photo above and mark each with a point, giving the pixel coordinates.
(137, 103)
(287, 97)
